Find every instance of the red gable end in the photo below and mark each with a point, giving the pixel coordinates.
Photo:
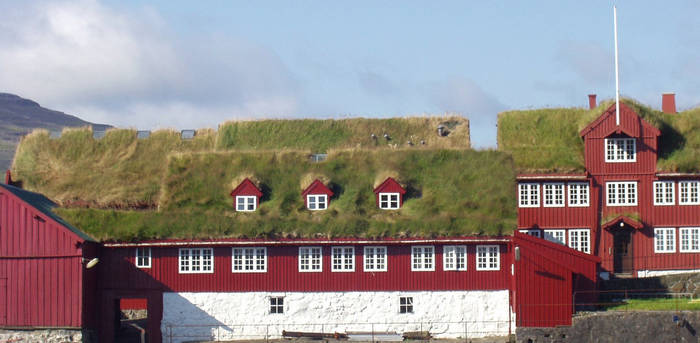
(315, 188)
(631, 124)
(246, 187)
(389, 186)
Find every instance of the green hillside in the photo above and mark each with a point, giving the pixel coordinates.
(450, 192)
(547, 140)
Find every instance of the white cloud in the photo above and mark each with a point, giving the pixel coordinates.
(124, 67)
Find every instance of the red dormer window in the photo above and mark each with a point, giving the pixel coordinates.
(317, 196)
(246, 196)
(389, 195)
(620, 149)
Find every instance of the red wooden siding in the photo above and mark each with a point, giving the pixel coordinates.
(389, 186)
(316, 187)
(282, 273)
(133, 303)
(41, 268)
(547, 277)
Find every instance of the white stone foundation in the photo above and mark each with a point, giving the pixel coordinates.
(246, 315)
(652, 273)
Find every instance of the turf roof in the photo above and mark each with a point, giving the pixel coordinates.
(547, 140)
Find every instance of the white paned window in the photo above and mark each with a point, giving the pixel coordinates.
(423, 258)
(580, 239)
(578, 194)
(663, 193)
(317, 202)
(196, 260)
(249, 260)
(528, 194)
(245, 203)
(488, 257)
(389, 201)
(690, 239)
(664, 240)
(454, 257)
(621, 193)
(556, 236)
(276, 305)
(620, 150)
(533, 233)
(343, 259)
(375, 259)
(143, 257)
(405, 304)
(553, 194)
(688, 193)
(310, 259)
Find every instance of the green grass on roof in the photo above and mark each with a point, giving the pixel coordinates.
(450, 192)
(546, 140)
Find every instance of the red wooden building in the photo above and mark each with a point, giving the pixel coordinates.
(638, 220)
(44, 279)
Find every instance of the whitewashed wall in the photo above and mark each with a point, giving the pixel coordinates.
(225, 316)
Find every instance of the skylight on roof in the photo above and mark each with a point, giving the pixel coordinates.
(187, 134)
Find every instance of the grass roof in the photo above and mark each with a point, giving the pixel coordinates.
(547, 140)
(450, 192)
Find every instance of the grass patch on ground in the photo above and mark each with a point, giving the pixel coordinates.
(657, 304)
(450, 192)
(546, 140)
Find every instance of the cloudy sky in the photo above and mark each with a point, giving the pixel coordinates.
(191, 64)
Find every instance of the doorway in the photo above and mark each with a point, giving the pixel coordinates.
(623, 261)
(131, 320)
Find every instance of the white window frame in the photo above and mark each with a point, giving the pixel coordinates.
(313, 202)
(528, 195)
(310, 259)
(618, 150)
(422, 258)
(555, 236)
(580, 239)
(662, 191)
(689, 192)
(553, 194)
(143, 257)
(389, 202)
(454, 257)
(249, 260)
(664, 240)
(532, 232)
(405, 305)
(342, 259)
(488, 257)
(579, 193)
(275, 306)
(621, 194)
(204, 260)
(246, 201)
(689, 239)
(375, 259)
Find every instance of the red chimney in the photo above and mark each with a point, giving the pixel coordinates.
(591, 101)
(668, 103)
(8, 177)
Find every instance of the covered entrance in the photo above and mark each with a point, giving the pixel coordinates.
(622, 229)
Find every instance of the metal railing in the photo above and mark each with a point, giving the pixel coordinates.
(175, 333)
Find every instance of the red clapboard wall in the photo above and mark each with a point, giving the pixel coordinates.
(42, 275)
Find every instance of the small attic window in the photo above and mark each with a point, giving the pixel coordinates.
(620, 149)
(143, 134)
(389, 194)
(55, 134)
(317, 202)
(98, 134)
(187, 134)
(246, 203)
(389, 201)
(318, 157)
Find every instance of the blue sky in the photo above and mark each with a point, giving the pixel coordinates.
(188, 64)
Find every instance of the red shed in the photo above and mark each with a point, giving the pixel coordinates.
(317, 196)
(389, 194)
(246, 196)
(44, 281)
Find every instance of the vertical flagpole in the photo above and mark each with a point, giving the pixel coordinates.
(617, 74)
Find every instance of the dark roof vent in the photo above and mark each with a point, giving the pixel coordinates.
(187, 134)
(143, 134)
(442, 130)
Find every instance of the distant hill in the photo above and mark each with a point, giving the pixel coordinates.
(19, 116)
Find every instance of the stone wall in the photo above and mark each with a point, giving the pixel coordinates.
(679, 283)
(628, 327)
(47, 336)
(241, 315)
